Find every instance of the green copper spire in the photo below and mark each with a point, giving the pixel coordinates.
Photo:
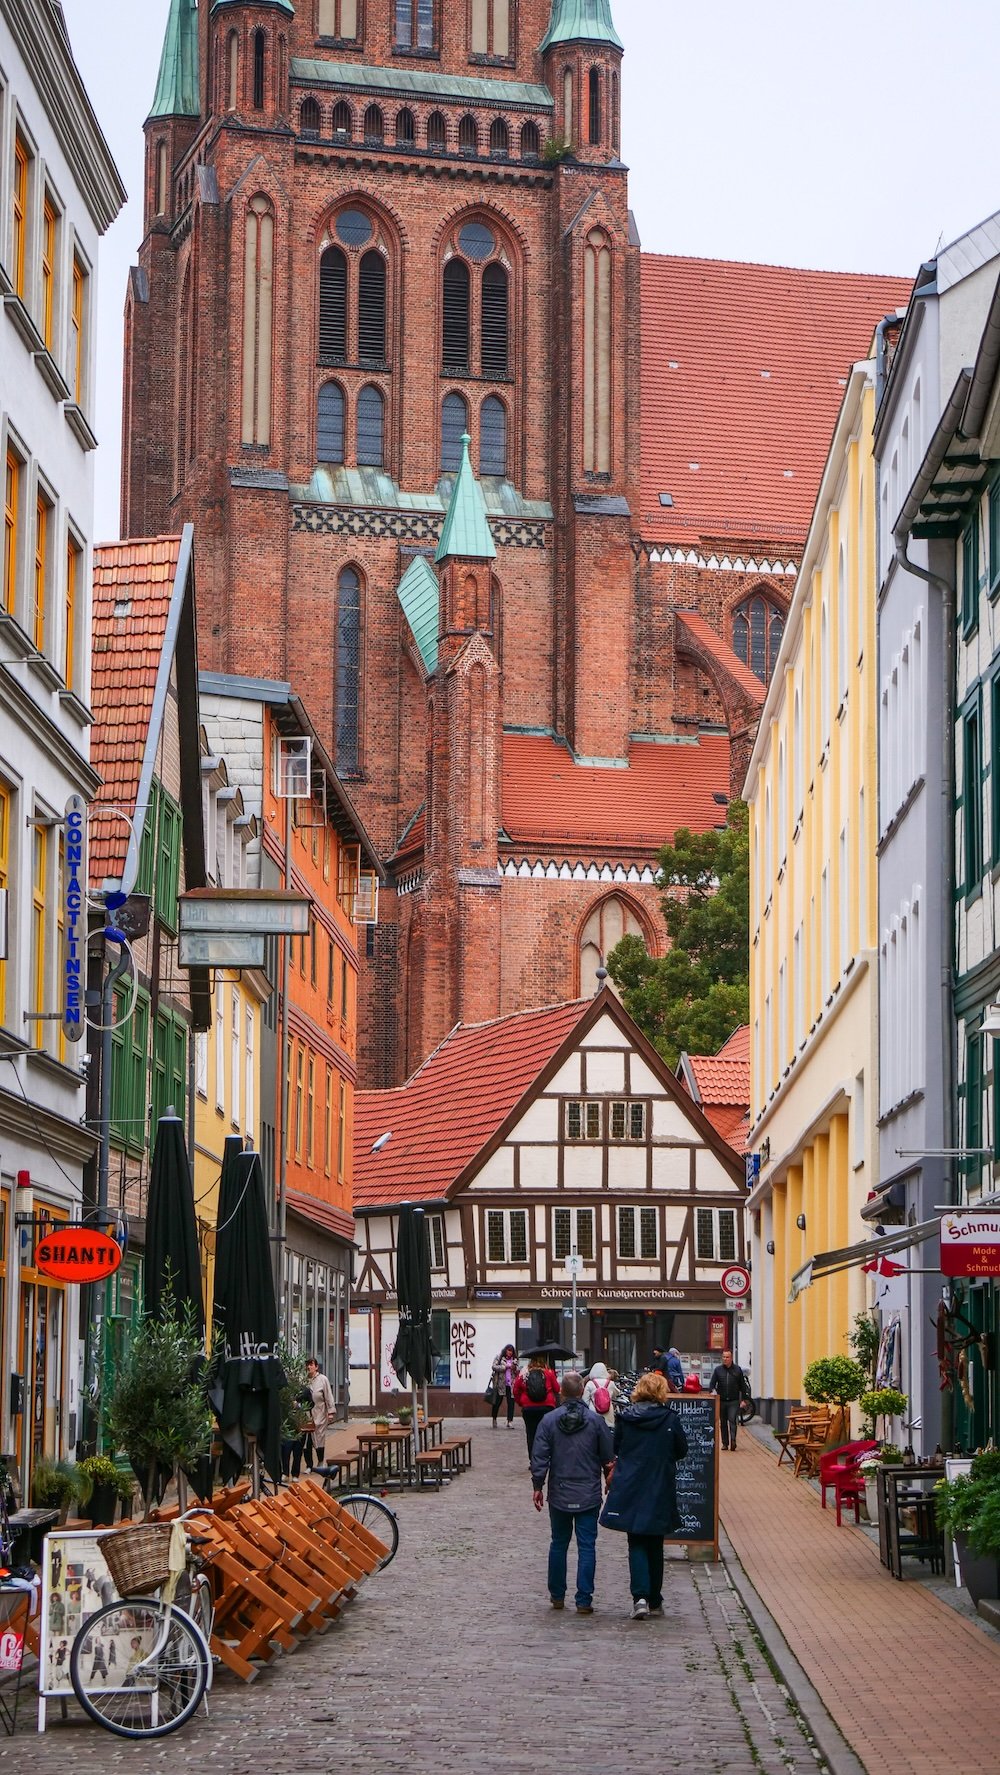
(177, 89)
(466, 529)
(581, 21)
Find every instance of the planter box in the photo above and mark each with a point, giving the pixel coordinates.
(980, 1573)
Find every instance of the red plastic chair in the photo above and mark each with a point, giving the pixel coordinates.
(838, 1468)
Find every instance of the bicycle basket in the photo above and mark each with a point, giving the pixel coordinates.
(138, 1557)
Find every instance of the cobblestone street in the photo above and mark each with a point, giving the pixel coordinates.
(452, 1659)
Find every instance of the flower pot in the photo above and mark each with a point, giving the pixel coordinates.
(980, 1571)
(871, 1498)
(103, 1499)
(381, 1429)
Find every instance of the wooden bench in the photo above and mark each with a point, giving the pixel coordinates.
(341, 1470)
(459, 1451)
(432, 1467)
(804, 1437)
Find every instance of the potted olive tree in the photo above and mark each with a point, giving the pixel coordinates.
(158, 1411)
(968, 1509)
(109, 1485)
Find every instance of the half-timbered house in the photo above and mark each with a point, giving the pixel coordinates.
(526, 1140)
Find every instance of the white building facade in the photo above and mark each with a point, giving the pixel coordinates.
(59, 192)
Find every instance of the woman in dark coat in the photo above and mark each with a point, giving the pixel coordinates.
(642, 1496)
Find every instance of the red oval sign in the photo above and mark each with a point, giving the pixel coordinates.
(77, 1255)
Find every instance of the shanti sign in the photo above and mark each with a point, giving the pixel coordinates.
(77, 1254)
(970, 1243)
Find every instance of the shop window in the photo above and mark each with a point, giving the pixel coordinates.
(573, 1229)
(715, 1235)
(628, 1121)
(583, 1121)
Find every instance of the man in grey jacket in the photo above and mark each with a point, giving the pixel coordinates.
(573, 1449)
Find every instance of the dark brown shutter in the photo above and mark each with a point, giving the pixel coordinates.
(455, 327)
(333, 307)
(495, 323)
(371, 309)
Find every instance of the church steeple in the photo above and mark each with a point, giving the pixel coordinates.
(466, 527)
(581, 21)
(177, 87)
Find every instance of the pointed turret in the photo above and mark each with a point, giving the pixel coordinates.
(581, 21)
(177, 87)
(466, 530)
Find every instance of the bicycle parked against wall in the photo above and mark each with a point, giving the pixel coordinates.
(142, 1666)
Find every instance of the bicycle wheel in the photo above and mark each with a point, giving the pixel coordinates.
(137, 1672)
(377, 1518)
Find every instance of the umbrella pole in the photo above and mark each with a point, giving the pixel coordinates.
(254, 1468)
(414, 1434)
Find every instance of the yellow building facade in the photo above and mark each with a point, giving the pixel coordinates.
(811, 790)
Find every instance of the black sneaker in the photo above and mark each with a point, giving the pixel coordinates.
(584, 1608)
(557, 1602)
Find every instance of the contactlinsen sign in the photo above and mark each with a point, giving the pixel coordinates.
(74, 918)
(970, 1243)
(77, 1254)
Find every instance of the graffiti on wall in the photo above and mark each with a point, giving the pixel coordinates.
(463, 1349)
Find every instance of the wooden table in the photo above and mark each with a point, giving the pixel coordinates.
(431, 1433)
(377, 1449)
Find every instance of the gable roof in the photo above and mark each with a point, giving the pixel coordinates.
(720, 1084)
(547, 798)
(743, 370)
(461, 1102)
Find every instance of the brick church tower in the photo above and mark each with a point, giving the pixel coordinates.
(383, 348)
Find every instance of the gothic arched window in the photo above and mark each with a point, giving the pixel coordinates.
(597, 353)
(343, 121)
(454, 424)
(258, 310)
(468, 135)
(495, 323)
(371, 427)
(330, 423)
(594, 88)
(371, 309)
(758, 626)
(259, 68)
(348, 682)
(499, 137)
(455, 317)
(333, 306)
(437, 135)
(232, 71)
(374, 125)
(309, 117)
(531, 142)
(490, 27)
(493, 437)
(568, 105)
(611, 919)
(338, 19)
(406, 129)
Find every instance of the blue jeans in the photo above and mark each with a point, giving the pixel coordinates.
(645, 1566)
(563, 1523)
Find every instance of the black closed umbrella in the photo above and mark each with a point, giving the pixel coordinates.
(413, 1353)
(172, 1258)
(248, 1376)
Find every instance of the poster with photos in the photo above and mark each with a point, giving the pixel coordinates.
(75, 1584)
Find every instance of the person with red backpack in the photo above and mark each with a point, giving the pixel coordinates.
(601, 1392)
(536, 1391)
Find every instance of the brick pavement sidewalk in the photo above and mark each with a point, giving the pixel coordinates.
(452, 1660)
(911, 1684)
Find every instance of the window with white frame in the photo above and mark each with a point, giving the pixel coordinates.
(435, 1228)
(628, 1121)
(842, 625)
(573, 1229)
(638, 1235)
(201, 1064)
(715, 1235)
(234, 1059)
(844, 904)
(583, 1121)
(249, 1100)
(506, 1235)
(799, 987)
(220, 1052)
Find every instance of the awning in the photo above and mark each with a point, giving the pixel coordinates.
(828, 1263)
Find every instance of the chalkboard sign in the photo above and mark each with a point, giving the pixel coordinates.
(698, 1472)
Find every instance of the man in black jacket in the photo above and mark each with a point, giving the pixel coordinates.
(572, 1449)
(729, 1381)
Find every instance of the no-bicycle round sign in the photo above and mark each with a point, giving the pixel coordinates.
(735, 1282)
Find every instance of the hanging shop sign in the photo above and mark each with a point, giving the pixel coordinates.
(77, 1254)
(970, 1243)
(74, 895)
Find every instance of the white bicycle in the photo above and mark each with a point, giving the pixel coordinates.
(141, 1667)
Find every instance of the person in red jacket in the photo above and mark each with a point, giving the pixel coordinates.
(536, 1392)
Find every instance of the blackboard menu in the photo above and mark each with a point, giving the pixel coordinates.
(698, 1472)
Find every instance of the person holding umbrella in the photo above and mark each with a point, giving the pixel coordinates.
(536, 1392)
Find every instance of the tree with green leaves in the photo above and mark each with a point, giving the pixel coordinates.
(691, 999)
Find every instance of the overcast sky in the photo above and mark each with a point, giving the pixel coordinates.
(835, 134)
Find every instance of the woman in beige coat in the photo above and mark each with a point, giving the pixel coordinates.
(323, 1413)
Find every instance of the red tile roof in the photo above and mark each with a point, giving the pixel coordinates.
(322, 1214)
(743, 371)
(548, 800)
(738, 1045)
(721, 1080)
(732, 1123)
(133, 583)
(705, 637)
(443, 1116)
